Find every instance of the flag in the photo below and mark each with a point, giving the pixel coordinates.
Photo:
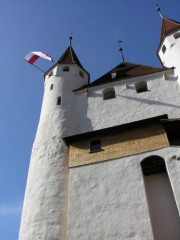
(33, 56)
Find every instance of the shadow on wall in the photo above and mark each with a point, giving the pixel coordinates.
(151, 102)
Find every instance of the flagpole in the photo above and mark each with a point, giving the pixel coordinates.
(35, 66)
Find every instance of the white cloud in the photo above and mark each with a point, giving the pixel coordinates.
(10, 209)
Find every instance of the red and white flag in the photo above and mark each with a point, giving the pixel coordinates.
(33, 56)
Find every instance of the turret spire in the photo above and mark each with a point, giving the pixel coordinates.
(70, 40)
(121, 50)
(159, 10)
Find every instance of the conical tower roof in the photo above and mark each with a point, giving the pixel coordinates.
(167, 26)
(69, 57)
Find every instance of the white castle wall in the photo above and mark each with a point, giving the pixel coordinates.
(171, 57)
(46, 199)
(108, 199)
(128, 106)
(93, 188)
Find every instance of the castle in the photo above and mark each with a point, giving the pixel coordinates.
(105, 162)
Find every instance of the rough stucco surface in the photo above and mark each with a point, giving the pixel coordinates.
(128, 106)
(99, 201)
(108, 200)
(45, 207)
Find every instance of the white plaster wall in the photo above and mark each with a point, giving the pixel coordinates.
(108, 199)
(46, 199)
(163, 97)
(171, 58)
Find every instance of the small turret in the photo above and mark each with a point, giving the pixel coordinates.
(169, 46)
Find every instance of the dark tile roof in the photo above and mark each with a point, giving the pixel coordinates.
(168, 26)
(68, 57)
(123, 71)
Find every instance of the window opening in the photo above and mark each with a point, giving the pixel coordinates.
(51, 87)
(109, 93)
(113, 75)
(141, 86)
(95, 145)
(81, 74)
(51, 74)
(163, 48)
(176, 35)
(58, 100)
(65, 69)
(160, 199)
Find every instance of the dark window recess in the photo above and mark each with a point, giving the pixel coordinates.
(141, 86)
(81, 74)
(58, 100)
(66, 69)
(109, 93)
(163, 48)
(153, 165)
(172, 128)
(176, 35)
(51, 74)
(95, 145)
(51, 87)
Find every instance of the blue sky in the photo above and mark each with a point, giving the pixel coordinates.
(45, 25)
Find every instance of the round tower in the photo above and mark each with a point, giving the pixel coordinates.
(46, 198)
(169, 46)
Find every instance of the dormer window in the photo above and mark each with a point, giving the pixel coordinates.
(113, 75)
(66, 69)
(141, 86)
(109, 93)
(163, 48)
(176, 35)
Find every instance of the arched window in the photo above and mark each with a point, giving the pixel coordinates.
(109, 93)
(160, 199)
(153, 165)
(141, 86)
(66, 69)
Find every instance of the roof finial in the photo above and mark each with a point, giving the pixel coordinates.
(70, 39)
(159, 10)
(121, 50)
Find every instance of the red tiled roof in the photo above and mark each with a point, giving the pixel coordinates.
(168, 26)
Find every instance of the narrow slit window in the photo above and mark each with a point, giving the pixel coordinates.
(95, 145)
(51, 87)
(109, 93)
(81, 74)
(65, 69)
(164, 49)
(141, 86)
(59, 101)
